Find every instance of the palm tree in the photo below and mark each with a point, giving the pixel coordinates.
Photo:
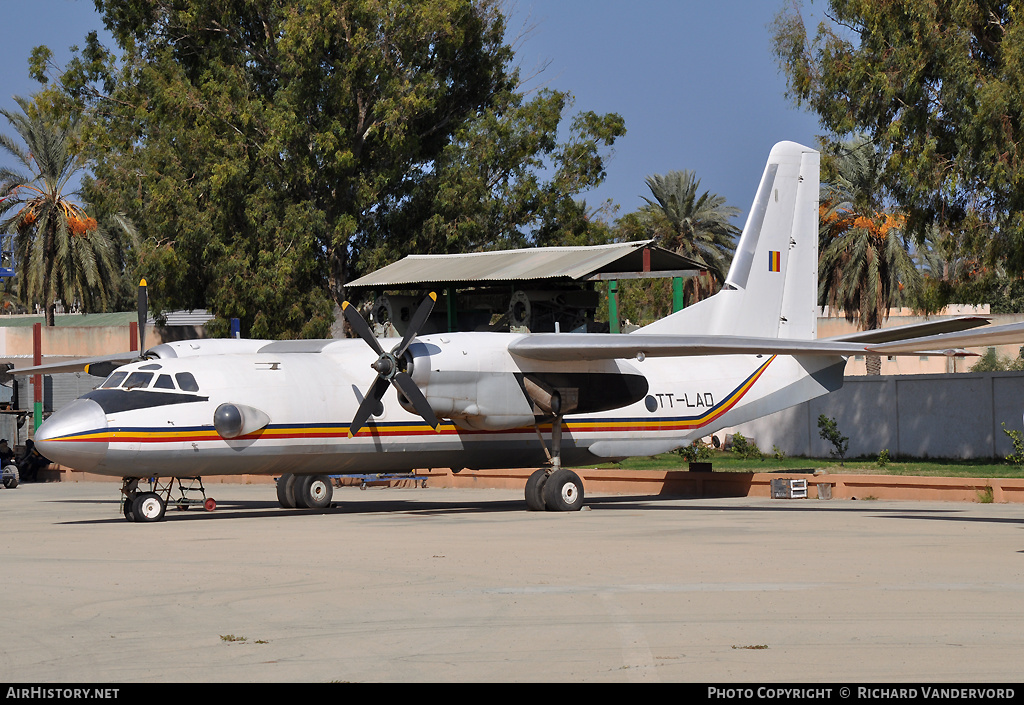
(692, 225)
(864, 267)
(62, 253)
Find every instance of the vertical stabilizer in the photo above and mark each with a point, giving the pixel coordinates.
(771, 288)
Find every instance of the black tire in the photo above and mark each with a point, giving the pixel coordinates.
(563, 492)
(314, 492)
(10, 476)
(286, 490)
(148, 507)
(535, 491)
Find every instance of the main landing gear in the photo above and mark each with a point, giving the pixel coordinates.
(305, 491)
(150, 505)
(555, 488)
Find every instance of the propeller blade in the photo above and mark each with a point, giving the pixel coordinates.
(413, 394)
(418, 319)
(143, 307)
(370, 403)
(360, 326)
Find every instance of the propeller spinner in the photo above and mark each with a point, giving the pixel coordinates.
(387, 367)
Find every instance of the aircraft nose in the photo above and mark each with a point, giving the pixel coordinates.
(75, 436)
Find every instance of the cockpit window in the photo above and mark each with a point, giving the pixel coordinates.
(137, 380)
(114, 380)
(164, 382)
(186, 382)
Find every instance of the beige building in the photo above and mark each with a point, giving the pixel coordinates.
(833, 325)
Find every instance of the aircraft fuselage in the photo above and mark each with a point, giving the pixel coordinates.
(156, 417)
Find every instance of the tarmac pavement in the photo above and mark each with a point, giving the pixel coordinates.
(461, 585)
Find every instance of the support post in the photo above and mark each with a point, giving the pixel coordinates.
(453, 322)
(677, 294)
(37, 380)
(613, 307)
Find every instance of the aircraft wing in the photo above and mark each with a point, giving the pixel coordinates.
(76, 365)
(604, 346)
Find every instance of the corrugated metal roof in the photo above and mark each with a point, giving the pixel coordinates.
(71, 320)
(575, 263)
(184, 318)
(174, 318)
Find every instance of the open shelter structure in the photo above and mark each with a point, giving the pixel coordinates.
(539, 289)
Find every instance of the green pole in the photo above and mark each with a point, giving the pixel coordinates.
(677, 294)
(37, 380)
(613, 307)
(453, 322)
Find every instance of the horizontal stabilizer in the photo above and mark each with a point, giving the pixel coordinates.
(914, 330)
(1010, 334)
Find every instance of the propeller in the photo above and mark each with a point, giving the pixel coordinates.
(387, 367)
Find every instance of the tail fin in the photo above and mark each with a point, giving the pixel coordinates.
(772, 286)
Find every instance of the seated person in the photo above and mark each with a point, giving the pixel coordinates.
(31, 462)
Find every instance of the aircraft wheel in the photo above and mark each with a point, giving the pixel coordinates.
(314, 492)
(563, 492)
(286, 490)
(535, 491)
(10, 476)
(147, 507)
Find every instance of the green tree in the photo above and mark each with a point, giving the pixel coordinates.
(864, 266)
(939, 88)
(485, 191)
(684, 220)
(61, 253)
(274, 151)
(698, 226)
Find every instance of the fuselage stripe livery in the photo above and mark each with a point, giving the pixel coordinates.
(312, 431)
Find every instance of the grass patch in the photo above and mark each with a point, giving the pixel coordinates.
(730, 462)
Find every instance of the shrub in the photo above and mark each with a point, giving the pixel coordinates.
(828, 430)
(1017, 438)
(746, 449)
(695, 452)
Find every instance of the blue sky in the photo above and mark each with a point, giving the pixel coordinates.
(695, 81)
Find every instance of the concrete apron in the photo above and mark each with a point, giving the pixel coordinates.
(681, 483)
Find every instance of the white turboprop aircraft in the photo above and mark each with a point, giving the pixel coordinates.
(308, 409)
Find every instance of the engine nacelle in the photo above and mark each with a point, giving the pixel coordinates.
(478, 385)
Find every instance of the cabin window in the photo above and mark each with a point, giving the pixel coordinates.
(187, 382)
(138, 380)
(114, 380)
(164, 382)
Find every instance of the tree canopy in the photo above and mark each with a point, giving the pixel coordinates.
(269, 151)
(938, 87)
(864, 267)
(63, 254)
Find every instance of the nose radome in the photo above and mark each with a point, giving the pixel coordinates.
(75, 436)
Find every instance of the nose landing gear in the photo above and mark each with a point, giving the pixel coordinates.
(149, 506)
